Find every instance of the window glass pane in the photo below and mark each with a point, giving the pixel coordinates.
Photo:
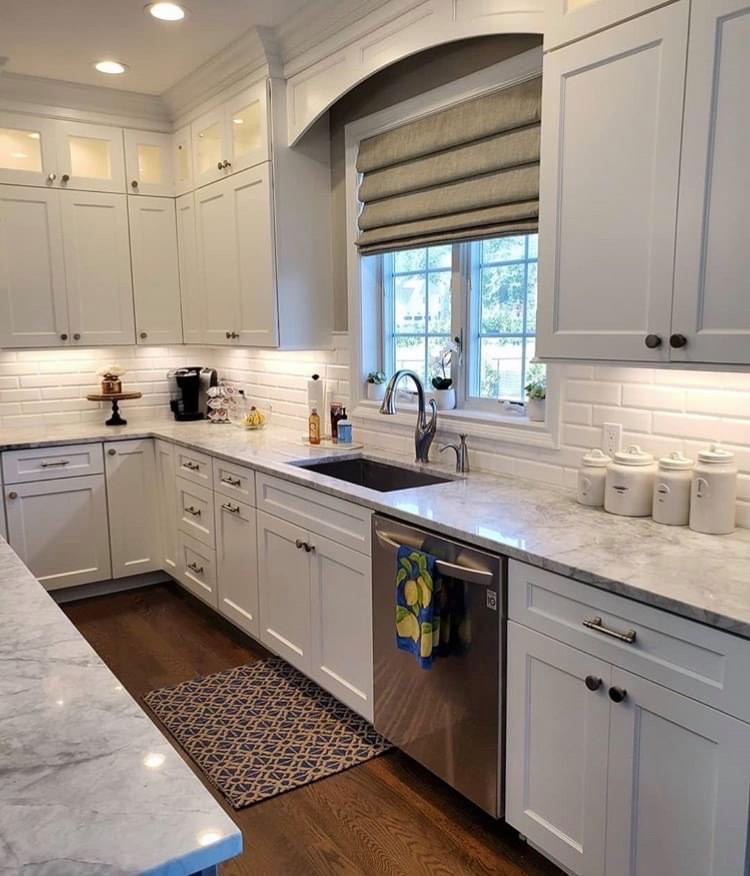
(504, 249)
(501, 368)
(410, 353)
(436, 343)
(409, 303)
(20, 150)
(533, 245)
(440, 256)
(439, 302)
(503, 299)
(89, 158)
(409, 260)
(531, 300)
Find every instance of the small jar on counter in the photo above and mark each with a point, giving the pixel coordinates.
(672, 490)
(345, 431)
(713, 497)
(629, 489)
(592, 477)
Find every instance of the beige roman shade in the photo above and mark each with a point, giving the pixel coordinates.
(469, 171)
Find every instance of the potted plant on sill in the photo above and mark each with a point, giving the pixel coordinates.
(536, 396)
(445, 392)
(376, 385)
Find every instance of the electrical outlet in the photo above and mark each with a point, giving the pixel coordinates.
(611, 438)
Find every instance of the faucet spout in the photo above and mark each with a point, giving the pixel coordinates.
(425, 428)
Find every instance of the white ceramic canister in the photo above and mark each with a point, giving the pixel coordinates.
(592, 476)
(629, 489)
(713, 497)
(672, 490)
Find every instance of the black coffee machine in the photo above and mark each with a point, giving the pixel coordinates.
(188, 391)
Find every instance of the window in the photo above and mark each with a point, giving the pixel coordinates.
(483, 293)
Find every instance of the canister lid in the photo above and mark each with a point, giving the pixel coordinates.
(715, 453)
(596, 458)
(675, 462)
(633, 455)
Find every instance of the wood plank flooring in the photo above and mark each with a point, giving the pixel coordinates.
(388, 816)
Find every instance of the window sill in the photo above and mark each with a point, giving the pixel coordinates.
(476, 424)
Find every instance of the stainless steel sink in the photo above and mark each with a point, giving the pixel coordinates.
(374, 475)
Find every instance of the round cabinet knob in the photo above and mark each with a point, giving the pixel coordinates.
(112, 451)
(65, 178)
(220, 165)
(653, 341)
(13, 494)
(300, 544)
(63, 337)
(617, 694)
(134, 184)
(592, 682)
(229, 335)
(226, 163)
(76, 337)
(143, 335)
(51, 177)
(677, 341)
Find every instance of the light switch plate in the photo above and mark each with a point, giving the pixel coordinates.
(611, 438)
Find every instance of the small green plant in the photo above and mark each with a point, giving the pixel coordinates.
(536, 388)
(376, 377)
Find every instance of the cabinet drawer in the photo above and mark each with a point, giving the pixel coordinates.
(343, 522)
(703, 663)
(196, 568)
(195, 511)
(234, 481)
(48, 463)
(194, 466)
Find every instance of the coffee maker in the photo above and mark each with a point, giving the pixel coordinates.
(188, 391)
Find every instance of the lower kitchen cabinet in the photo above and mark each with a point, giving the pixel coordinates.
(166, 488)
(131, 500)
(237, 563)
(46, 520)
(196, 568)
(609, 773)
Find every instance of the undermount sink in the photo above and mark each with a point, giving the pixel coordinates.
(374, 475)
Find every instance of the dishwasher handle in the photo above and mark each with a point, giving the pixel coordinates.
(483, 577)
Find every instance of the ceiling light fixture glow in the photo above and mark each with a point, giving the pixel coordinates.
(111, 67)
(166, 11)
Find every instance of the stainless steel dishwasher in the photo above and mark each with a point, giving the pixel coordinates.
(448, 717)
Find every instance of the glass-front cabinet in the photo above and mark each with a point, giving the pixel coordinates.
(90, 157)
(27, 150)
(209, 147)
(148, 162)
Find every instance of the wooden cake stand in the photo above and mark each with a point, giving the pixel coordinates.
(115, 398)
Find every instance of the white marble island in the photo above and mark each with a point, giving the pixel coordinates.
(88, 784)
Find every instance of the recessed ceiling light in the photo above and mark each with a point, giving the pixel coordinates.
(239, 121)
(166, 11)
(111, 67)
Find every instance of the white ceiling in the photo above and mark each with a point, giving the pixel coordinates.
(61, 39)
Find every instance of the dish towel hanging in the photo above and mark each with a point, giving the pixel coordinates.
(418, 601)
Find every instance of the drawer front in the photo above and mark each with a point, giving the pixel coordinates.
(194, 466)
(343, 522)
(708, 665)
(234, 481)
(48, 463)
(195, 511)
(196, 568)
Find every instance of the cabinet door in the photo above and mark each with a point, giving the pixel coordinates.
(196, 568)
(237, 563)
(148, 162)
(217, 262)
(131, 498)
(166, 488)
(156, 273)
(97, 265)
(210, 146)
(284, 590)
(27, 150)
(711, 305)
(33, 308)
(252, 215)
(59, 529)
(193, 302)
(341, 623)
(567, 20)
(182, 160)
(247, 127)
(611, 126)
(91, 156)
(556, 755)
(679, 777)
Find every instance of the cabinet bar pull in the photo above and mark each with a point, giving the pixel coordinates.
(196, 512)
(233, 509)
(233, 482)
(595, 623)
(55, 464)
(194, 567)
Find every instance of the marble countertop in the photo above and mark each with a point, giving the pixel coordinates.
(88, 784)
(701, 577)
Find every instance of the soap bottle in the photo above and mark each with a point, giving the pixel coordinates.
(314, 427)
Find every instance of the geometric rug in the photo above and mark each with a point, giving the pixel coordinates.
(263, 728)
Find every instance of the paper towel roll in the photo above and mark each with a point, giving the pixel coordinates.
(316, 394)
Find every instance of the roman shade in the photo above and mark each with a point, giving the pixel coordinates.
(468, 171)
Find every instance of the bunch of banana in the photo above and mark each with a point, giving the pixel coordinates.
(254, 419)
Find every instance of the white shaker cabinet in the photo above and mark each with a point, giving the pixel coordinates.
(130, 469)
(568, 20)
(712, 262)
(90, 157)
(33, 294)
(46, 520)
(166, 488)
(611, 129)
(182, 161)
(28, 153)
(156, 274)
(193, 303)
(97, 268)
(148, 163)
(237, 563)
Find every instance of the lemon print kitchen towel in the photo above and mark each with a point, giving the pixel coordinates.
(418, 590)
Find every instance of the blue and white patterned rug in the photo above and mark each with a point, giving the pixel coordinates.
(263, 728)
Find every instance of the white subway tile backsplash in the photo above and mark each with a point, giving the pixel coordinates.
(660, 398)
(593, 391)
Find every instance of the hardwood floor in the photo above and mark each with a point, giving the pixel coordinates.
(388, 816)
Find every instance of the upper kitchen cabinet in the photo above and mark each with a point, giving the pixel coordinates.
(232, 136)
(568, 20)
(712, 265)
(90, 157)
(27, 150)
(611, 130)
(148, 160)
(182, 161)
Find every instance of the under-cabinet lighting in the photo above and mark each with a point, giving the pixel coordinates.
(35, 135)
(18, 155)
(239, 121)
(166, 11)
